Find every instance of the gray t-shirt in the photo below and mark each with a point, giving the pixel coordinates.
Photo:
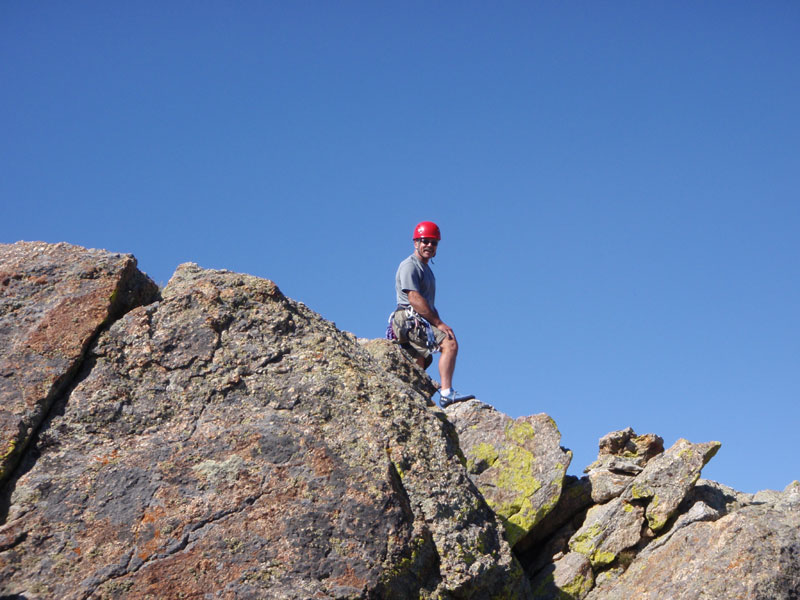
(415, 275)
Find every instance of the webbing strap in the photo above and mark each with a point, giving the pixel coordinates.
(389, 329)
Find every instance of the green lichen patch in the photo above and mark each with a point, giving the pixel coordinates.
(712, 451)
(5, 458)
(639, 491)
(10, 446)
(578, 587)
(656, 521)
(601, 559)
(482, 457)
(515, 478)
(585, 542)
(520, 432)
(516, 466)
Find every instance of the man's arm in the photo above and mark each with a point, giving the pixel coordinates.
(419, 304)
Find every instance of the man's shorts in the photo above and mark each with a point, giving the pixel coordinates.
(413, 337)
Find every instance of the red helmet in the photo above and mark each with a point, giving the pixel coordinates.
(427, 229)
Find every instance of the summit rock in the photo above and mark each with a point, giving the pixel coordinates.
(216, 439)
(227, 439)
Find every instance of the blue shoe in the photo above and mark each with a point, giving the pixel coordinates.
(446, 400)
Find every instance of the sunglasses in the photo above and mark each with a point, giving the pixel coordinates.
(428, 241)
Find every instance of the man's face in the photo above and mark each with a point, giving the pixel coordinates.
(426, 248)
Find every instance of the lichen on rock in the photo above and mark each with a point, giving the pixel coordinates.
(518, 464)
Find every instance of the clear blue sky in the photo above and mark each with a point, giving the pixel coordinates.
(616, 182)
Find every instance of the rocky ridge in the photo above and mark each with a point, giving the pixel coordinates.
(219, 440)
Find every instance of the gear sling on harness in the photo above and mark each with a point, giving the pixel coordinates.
(414, 322)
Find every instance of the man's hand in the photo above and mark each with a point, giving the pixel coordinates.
(447, 329)
(419, 304)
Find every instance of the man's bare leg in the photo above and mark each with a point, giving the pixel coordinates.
(447, 362)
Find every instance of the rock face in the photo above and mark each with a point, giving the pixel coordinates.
(226, 440)
(219, 440)
(53, 300)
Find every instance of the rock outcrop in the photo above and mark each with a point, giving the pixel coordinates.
(623, 455)
(227, 440)
(218, 439)
(517, 464)
(750, 552)
(664, 533)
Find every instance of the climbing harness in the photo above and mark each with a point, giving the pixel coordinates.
(414, 322)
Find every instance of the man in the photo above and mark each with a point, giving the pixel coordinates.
(416, 324)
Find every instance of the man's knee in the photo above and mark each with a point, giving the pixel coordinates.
(449, 346)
